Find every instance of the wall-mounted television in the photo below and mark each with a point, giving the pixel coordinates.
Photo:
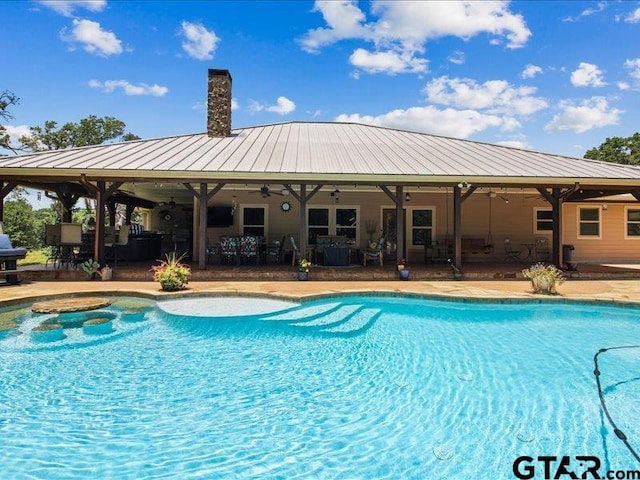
(219, 217)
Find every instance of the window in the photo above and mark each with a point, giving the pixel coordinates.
(421, 226)
(254, 220)
(317, 223)
(589, 222)
(543, 220)
(347, 223)
(633, 222)
(332, 220)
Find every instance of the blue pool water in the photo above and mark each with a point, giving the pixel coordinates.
(341, 388)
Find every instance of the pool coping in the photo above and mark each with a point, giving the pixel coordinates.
(458, 292)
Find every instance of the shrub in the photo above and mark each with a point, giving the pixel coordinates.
(171, 273)
(544, 278)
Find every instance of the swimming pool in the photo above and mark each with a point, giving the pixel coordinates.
(346, 387)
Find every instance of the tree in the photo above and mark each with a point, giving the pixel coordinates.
(7, 99)
(20, 223)
(618, 150)
(88, 131)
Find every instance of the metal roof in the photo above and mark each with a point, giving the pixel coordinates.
(308, 151)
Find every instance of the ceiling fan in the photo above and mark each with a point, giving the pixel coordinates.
(265, 192)
(171, 204)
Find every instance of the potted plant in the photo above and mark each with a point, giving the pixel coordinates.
(403, 270)
(171, 273)
(544, 278)
(304, 267)
(92, 268)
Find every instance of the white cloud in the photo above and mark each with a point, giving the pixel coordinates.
(587, 75)
(457, 57)
(429, 119)
(623, 86)
(199, 42)
(591, 113)
(515, 144)
(109, 86)
(633, 17)
(400, 30)
(93, 38)
(587, 12)
(16, 133)
(494, 96)
(66, 7)
(531, 71)
(283, 106)
(234, 104)
(344, 20)
(388, 62)
(633, 66)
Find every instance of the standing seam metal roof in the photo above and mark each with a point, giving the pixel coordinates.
(319, 148)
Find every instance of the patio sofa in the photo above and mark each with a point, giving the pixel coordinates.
(9, 259)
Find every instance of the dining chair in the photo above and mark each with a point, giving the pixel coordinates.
(229, 249)
(249, 248)
(510, 254)
(295, 251)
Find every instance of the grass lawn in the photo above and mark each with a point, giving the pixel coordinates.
(34, 257)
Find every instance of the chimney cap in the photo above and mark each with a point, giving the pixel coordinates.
(219, 72)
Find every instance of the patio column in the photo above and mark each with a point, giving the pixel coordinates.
(457, 226)
(98, 245)
(400, 227)
(556, 250)
(203, 197)
(302, 215)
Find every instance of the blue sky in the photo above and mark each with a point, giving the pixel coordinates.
(558, 77)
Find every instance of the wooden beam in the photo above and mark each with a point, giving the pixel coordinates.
(388, 193)
(570, 191)
(303, 221)
(8, 188)
(548, 197)
(312, 194)
(556, 238)
(467, 194)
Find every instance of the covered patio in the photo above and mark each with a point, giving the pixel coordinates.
(463, 201)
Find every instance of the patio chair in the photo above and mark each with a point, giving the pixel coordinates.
(295, 251)
(229, 249)
(541, 249)
(374, 253)
(249, 248)
(116, 248)
(274, 250)
(510, 255)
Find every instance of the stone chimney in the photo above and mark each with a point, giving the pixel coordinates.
(219, 103)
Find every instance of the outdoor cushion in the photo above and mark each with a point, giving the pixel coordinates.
(7, 250)
(5, 242)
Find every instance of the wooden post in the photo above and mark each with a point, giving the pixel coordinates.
(98, 245)
(400, 243)
(303, 221)
(457, 226)
(202, 227)
(556, 250)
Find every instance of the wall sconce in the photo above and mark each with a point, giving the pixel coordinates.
(605, 206)
(336, 195)
(504, 199)
(464, 184)
(407, 197)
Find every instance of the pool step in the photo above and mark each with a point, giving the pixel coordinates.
(360, 321)
(305, 313)
(334, 317)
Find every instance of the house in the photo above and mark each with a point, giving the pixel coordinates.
(306, 179)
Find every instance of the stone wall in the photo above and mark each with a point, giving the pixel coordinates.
(219, 103)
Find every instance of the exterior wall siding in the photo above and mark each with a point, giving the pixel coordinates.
(513, 220)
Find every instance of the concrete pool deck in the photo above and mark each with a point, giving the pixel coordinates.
(623, 291)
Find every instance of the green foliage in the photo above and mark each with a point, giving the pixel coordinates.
(91, 268)
(7, 99)
(544, 278)
(171, 273)
(34, 257)
(304, 265)
(21, 224)
(618, 150)
(88, 131)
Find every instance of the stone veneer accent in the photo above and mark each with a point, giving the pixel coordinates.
(219, 103)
